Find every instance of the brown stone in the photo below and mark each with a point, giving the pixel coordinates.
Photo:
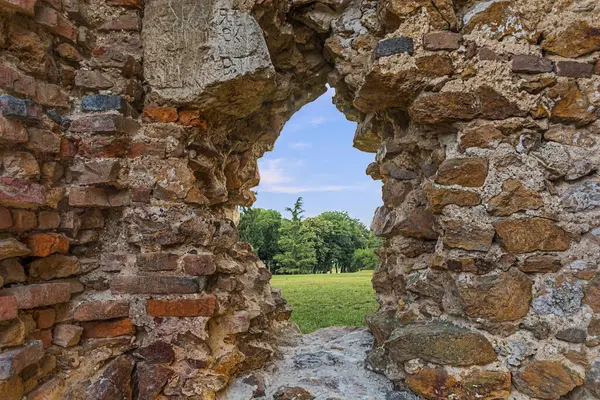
(175, 179)
(436, 383)
(570, 136)
(444, 40)
(154, 285)
(108, 329)
(94, 172)
(150, 379)
(499, 19)
(66, 335)
(464, 235)
(435, 65)
(19, 164)
(98, 197)
(202, 307)
(12, 389)
(541, 264)
(40, 295)
(8, 308)
(578, 39)
(101, 310)
(105, 124)
(482, 136)
(199, 264)
(192, 118)
(544, 379)
(592, 294)
(92, 80)
(514, 198)
(15, 360)
(54, 266)
(573, 69)
(444, 107)
(440, 343)
(12, 271)
(292, 393)
(467, 172)
(530, 64)
(160, 114)
(10, 247)
(527, 235)
(497, 298)
(5, 218)
(12, 132)
(438, 198)
(52, 389)
(126, 22)
(26, 7)
(12, 333)
(48, 220)
(44, 244)
(44, 318)
(157, 352)
(419, 224)
(570, 105)
(115, 381)
(157, 261)
(15, 192)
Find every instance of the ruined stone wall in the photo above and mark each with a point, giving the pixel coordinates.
(131, 132)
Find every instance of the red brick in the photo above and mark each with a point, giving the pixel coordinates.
(48, 220)
(202, 307)
(66, 335)
(199, 264)
(43, 141)
(5, 218)
(26, 7)
(11, 131)
(45, 336)
(15, 192)
(104, 123)
(44, 318)
(104, 147)
(8, 308)
(23, 220)
(101, 310)
(157, 262)
(15, 360)
(44, 244)
(573, 69)
(444, 40)
(192, 118)
(39, 295)
(125, 3)
(128, 22)
(160, 114)
(108, 329)
(530, 64)
(154, 149)
(154, 285)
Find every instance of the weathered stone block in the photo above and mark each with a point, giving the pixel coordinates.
(104, 102)
(467, 235)
(40, 295)
(513, 198)
(8, 308)
(199, 264)
(440, 343)
(157, 352)
(157, 261)
(11, 131)
(23, 220)
(544, 379)
(53, 267)
(574, 69)
(44, 244)
(66, 335)
(527, 235)
(444, 40)
(15, 192)
(160, 114)
(155, 285)
(467, 172)
(26, 7)
(233, 70)
(43, 141)
(530, 64)
(101, 310)
(10, 247)
(105, 124)
(13, 107)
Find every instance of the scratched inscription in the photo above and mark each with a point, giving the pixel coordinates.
(195, 43)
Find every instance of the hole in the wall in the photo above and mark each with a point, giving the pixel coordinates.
(320, 250)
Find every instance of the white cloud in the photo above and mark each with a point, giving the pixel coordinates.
(299, 145)
(272, 172)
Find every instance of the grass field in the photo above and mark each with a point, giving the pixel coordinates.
(324, 300)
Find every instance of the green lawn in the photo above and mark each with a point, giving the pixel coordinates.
(324, 300)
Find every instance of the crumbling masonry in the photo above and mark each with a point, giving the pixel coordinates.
(130, 133)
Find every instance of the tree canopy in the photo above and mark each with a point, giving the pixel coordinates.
(331, 241)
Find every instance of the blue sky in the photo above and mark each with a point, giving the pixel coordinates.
(314, 158)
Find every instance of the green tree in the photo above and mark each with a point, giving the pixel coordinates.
(260, 228)
(364, 259)
(296, 243)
